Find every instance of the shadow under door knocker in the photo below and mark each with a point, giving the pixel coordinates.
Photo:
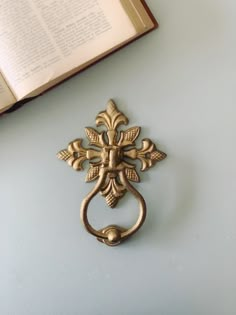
(111, 168)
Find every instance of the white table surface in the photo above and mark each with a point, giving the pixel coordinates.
(178, 84)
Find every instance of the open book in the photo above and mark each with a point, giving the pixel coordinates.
(43, 42)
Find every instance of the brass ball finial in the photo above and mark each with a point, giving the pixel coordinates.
(113, 235)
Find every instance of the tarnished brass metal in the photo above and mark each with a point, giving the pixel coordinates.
(109, 165)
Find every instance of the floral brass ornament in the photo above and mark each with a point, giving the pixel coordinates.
(111, 168)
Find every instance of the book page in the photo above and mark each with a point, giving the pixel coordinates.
(43, 39)
(6, 96)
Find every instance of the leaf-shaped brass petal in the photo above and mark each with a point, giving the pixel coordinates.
(132, 134)
(132, 175)
(93, 173)
(94, 137)
(129, 136)
(64, 155)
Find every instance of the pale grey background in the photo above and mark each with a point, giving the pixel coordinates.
(178, 83)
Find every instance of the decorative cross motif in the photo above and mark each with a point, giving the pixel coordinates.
(110, 161)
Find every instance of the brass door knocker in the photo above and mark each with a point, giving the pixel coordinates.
(112, 169)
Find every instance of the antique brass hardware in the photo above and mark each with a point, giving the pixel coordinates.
(111, 168)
